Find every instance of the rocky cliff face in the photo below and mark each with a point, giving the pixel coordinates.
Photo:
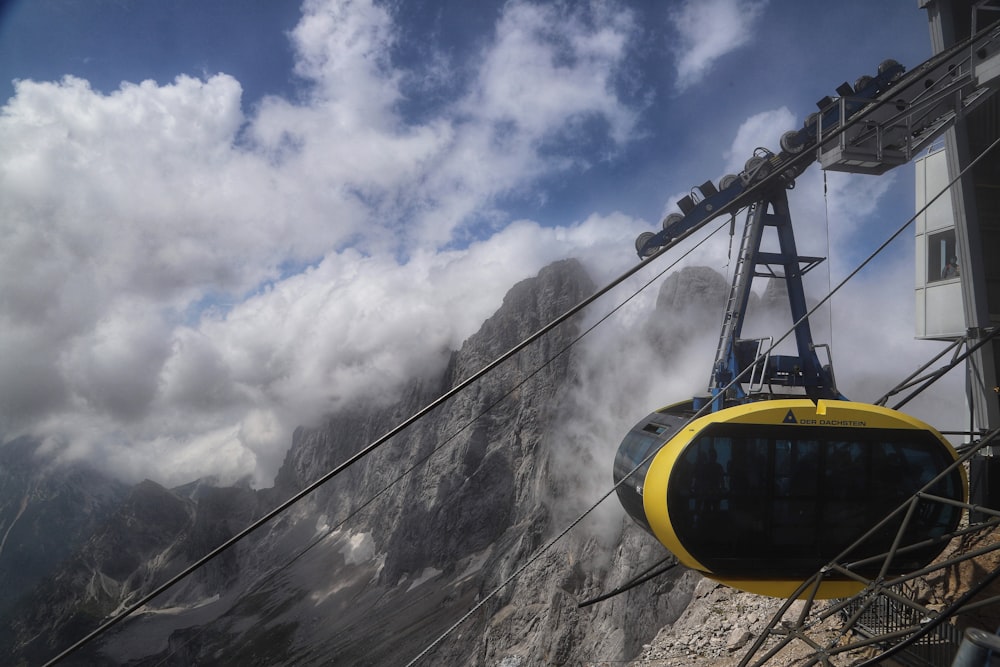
(47, 512)
(382, 560)
(148, 537)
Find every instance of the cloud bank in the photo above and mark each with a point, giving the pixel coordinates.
(184, 279)
(707, 30)
(187, 276)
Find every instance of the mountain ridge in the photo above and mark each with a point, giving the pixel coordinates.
(500, 466)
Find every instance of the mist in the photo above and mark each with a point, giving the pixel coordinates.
(188, 276)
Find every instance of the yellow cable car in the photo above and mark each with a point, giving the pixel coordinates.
(762, 495)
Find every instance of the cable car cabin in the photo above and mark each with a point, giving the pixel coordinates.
(761, 496)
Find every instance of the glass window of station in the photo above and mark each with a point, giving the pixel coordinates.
(942, 256)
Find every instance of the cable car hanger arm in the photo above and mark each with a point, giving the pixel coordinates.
(877, 124)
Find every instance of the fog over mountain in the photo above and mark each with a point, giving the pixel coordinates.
(238, 252)
(263, 216)
(510, 473)
(459, 502)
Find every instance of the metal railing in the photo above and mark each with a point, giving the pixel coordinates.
(887, 616)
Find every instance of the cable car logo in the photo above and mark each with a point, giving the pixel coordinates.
(832, 422)
(791, 419)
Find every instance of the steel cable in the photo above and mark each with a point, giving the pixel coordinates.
(256, 525)
(542, 550)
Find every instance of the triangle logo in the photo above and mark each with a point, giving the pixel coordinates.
(790, 418)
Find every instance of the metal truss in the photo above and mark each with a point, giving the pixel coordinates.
(886, 618)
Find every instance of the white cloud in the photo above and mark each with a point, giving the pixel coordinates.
(182, 281)
(548, 64)
(114, 366)
(343, 50)
(548, 72)
(153, 310)
(761, 130)
(353, 328)
(706, 30)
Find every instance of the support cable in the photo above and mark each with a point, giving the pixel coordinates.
(256, 525)
(548, 545)
(264, 579)
(829, 264)
(653, 571)
(645, 575)
(478, 375)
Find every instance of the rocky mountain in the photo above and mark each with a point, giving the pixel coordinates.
(151, 534)
(46, 512)
(384, 559)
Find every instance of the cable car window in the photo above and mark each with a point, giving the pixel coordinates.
(782, 466)
(637, 448)
(844, 480)
(792, 498)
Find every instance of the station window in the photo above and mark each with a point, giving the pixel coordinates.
(942, 256)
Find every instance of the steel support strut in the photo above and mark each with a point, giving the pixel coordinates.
(803, 370)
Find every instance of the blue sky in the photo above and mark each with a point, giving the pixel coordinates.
(223, 218)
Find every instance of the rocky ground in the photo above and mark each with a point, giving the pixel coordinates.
(720, 626)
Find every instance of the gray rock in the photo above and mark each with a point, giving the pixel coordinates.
(738, 638)
(377, 564)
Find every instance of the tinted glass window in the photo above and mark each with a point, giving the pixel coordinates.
(637, 449)
(788, 500)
